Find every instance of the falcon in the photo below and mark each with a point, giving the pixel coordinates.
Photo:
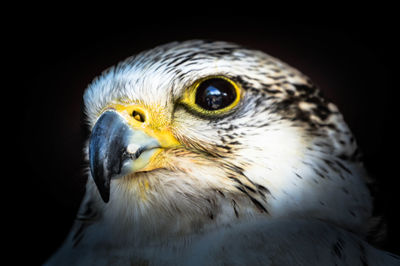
(208, 153)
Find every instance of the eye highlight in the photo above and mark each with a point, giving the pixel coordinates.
(215, 93)
(212, 95)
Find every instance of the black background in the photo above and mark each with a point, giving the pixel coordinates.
(351, 55)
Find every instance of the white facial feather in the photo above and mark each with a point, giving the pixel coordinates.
(280, 156)
(284, 152)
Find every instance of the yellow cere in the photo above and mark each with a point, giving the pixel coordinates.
(150, 119)
(189, 97)
(153, 121)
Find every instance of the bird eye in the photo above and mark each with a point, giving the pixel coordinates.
(212, 95)
(215, 93)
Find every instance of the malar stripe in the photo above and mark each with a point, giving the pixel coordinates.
(342, 166)
(253, 200)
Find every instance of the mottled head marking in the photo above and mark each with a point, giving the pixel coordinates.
(283, 151)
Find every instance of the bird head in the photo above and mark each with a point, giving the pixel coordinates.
(211, 133)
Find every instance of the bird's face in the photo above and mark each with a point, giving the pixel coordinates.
(207, 132)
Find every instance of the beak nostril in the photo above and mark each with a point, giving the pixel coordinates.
(138, 116)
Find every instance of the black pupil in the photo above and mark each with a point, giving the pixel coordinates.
(216, 93)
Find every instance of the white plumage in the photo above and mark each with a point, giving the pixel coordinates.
(274, 180)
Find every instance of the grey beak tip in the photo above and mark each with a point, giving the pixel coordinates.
(97, 172)
(105, 196)
(107, 142)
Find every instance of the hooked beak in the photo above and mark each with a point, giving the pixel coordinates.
(117, 148)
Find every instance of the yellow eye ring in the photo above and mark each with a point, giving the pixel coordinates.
(212, 96)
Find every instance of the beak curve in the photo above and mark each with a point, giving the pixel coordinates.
(116, 149)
